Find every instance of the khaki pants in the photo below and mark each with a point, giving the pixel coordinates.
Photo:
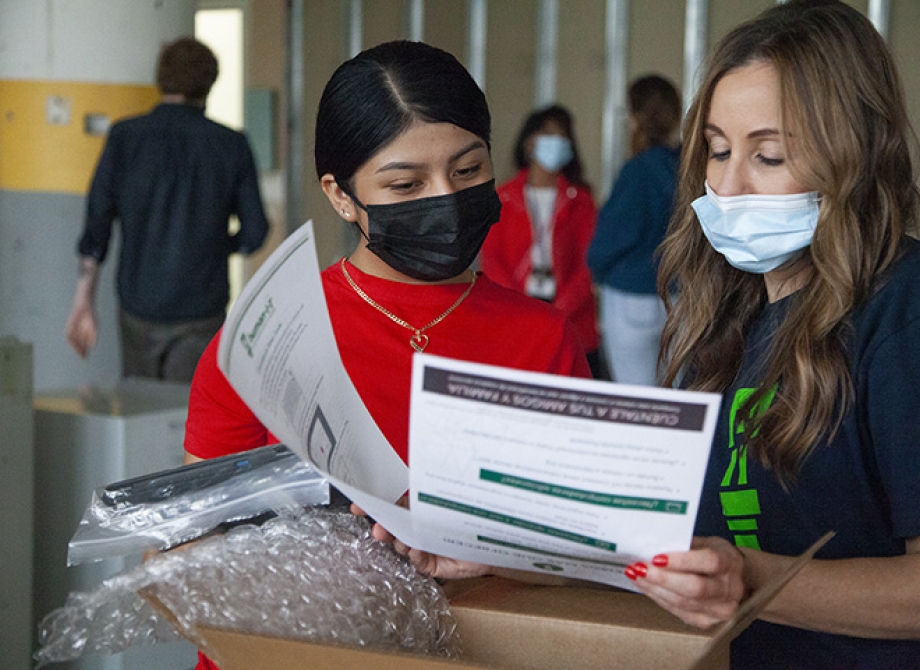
(168, 351)
(631, 325)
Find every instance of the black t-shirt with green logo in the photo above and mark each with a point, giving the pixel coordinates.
(864, 484)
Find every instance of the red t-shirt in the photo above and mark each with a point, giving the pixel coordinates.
(492, 325)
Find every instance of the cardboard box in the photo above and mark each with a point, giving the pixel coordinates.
(504, 624)
(507, 624)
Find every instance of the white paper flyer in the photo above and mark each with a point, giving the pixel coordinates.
(279, 354)
(576, 477)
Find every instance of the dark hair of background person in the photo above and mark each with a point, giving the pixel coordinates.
(374, 97)
(654, 104)
(532, 125)
(187, 67)
(844, 103)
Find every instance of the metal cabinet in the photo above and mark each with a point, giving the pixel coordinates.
(16, 469)
(85, 439)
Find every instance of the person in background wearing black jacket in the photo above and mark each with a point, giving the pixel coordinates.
(172, 178)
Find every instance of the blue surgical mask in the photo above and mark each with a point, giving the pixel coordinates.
(758, 233)
(552, 152)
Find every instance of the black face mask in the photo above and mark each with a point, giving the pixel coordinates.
(432, 239)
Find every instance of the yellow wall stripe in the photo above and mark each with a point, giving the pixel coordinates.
(43, 143)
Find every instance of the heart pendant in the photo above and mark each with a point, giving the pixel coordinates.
(419, 341)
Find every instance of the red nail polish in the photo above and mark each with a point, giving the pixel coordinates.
(641, 569)
(660, 561)
(629, 572)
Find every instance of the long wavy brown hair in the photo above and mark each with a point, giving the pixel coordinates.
(843, 101)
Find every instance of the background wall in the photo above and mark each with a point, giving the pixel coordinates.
(99, 55)
(655, 44)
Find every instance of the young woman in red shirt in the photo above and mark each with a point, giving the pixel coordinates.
(402, 153)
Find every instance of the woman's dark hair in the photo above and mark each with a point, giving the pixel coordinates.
(532, 125)
(186, 67)
(374, 97)
(655, 105)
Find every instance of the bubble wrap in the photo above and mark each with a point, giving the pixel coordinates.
(319, 576)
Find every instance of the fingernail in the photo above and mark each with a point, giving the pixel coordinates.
(660, 561)
(641, 569)
(629, 572)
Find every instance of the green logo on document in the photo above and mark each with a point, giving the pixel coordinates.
(248, 339)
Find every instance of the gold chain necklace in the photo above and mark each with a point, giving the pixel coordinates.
(419, 339)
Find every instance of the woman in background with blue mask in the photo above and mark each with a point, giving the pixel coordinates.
(548, 215)
(798, 298)
(402, 152)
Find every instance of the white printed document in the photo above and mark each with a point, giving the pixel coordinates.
(569, 476)
(278, 351)
(538, 472)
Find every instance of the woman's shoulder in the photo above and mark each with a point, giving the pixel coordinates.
(533, 334)
(513, 304)
(893, 308)
(219, 421)
(910, 251)
(656, 158)
(900, 281)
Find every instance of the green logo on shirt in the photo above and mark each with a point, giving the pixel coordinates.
(740, 503)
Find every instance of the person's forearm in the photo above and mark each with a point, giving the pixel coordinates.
(253, 231)
(862, 597)
(87, 278)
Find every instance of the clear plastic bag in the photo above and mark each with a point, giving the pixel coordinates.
(165, 509)
(319, 576)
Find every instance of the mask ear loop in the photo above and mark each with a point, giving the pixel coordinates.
(347, 190)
